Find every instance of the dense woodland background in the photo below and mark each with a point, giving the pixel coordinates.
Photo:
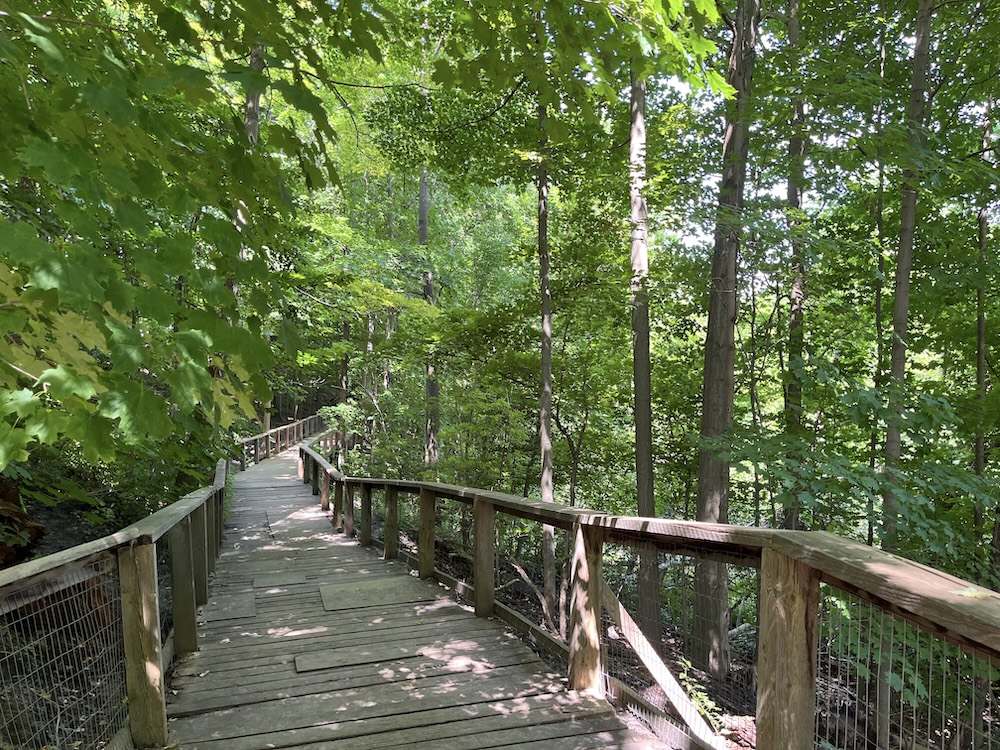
(433, 217)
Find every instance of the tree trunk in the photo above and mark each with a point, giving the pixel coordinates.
(431, 388)
(879, 285)
(983, 225)
(389, 193)
(649, 570)
(545, 392)
(904, 263)
(251, 111)
(796, 316)
(900, 319)
(711, 651)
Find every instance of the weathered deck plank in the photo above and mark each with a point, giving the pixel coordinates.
(310, 641)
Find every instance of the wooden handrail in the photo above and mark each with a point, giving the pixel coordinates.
(792, 565)
(193, 526)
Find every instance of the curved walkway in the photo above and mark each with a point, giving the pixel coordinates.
(311, 641)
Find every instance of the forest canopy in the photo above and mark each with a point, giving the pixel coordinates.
(445, 221)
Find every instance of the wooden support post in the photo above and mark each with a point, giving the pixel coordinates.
(324, 494)
(348, 509)
(199, 551)
(211, 546)
(147, 708)
(786, 652)
(391, 522)
(220, 518)
(425, 547)
(182, 594)
(267, 446)
(484, 576)
(338, 505)
(314, 476)
(304, 462)
(366, 515)
(585, 611)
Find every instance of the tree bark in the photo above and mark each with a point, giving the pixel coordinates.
(251, 110)
(904, 264)
(711, 647)
(545, 391)
(796, 316)
(900, 319)
(649, 571)
(431, 387)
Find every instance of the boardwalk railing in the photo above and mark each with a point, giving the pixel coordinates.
(82, 652)
(779, 640)
(256, 448)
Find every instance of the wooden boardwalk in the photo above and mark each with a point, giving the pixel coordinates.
(311, 641)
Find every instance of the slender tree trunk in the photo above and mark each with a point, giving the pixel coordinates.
(431, 388)
(342, 400)
(900, 320)
(251, 110)
(389, 208)
(711, 646)
(796, 316)
(545, 393)
(649, 570)
(983, 225)
(879, 287)
(904, 263)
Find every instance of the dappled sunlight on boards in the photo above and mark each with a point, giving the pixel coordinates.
(344, 650)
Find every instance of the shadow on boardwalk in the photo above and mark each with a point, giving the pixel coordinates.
(311, 641)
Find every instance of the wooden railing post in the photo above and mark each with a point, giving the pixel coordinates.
(391, 522)
(182, 595)
(211, 547)
(305, 461)
(425, 547)
(366, 514)
(348, 509)
(147, 712)
(220, 518)
(484, 576)
(314, 475)
(786, 653)
(324, 493)
(585, 611)
(200, 553)
(338, 504)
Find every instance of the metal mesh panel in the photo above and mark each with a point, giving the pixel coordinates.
(520, 572)
(718, 676)
(378, 515)
(884, 682)
(62, 674)
(453, 544)
(408, 506)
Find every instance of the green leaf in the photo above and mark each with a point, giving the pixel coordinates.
(140, 412)
(95, 435)
(65, 381)
(22, 402)
(13, 442)
(50, 158)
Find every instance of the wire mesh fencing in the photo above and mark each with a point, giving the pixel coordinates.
(883, 682)
(698, 617)
(453, 544)
(532, 572)
(62, 665)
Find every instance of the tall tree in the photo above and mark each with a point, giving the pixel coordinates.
(649, 572)
(712, 612)
(432, 390)
(797, 293)
(904, 263)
